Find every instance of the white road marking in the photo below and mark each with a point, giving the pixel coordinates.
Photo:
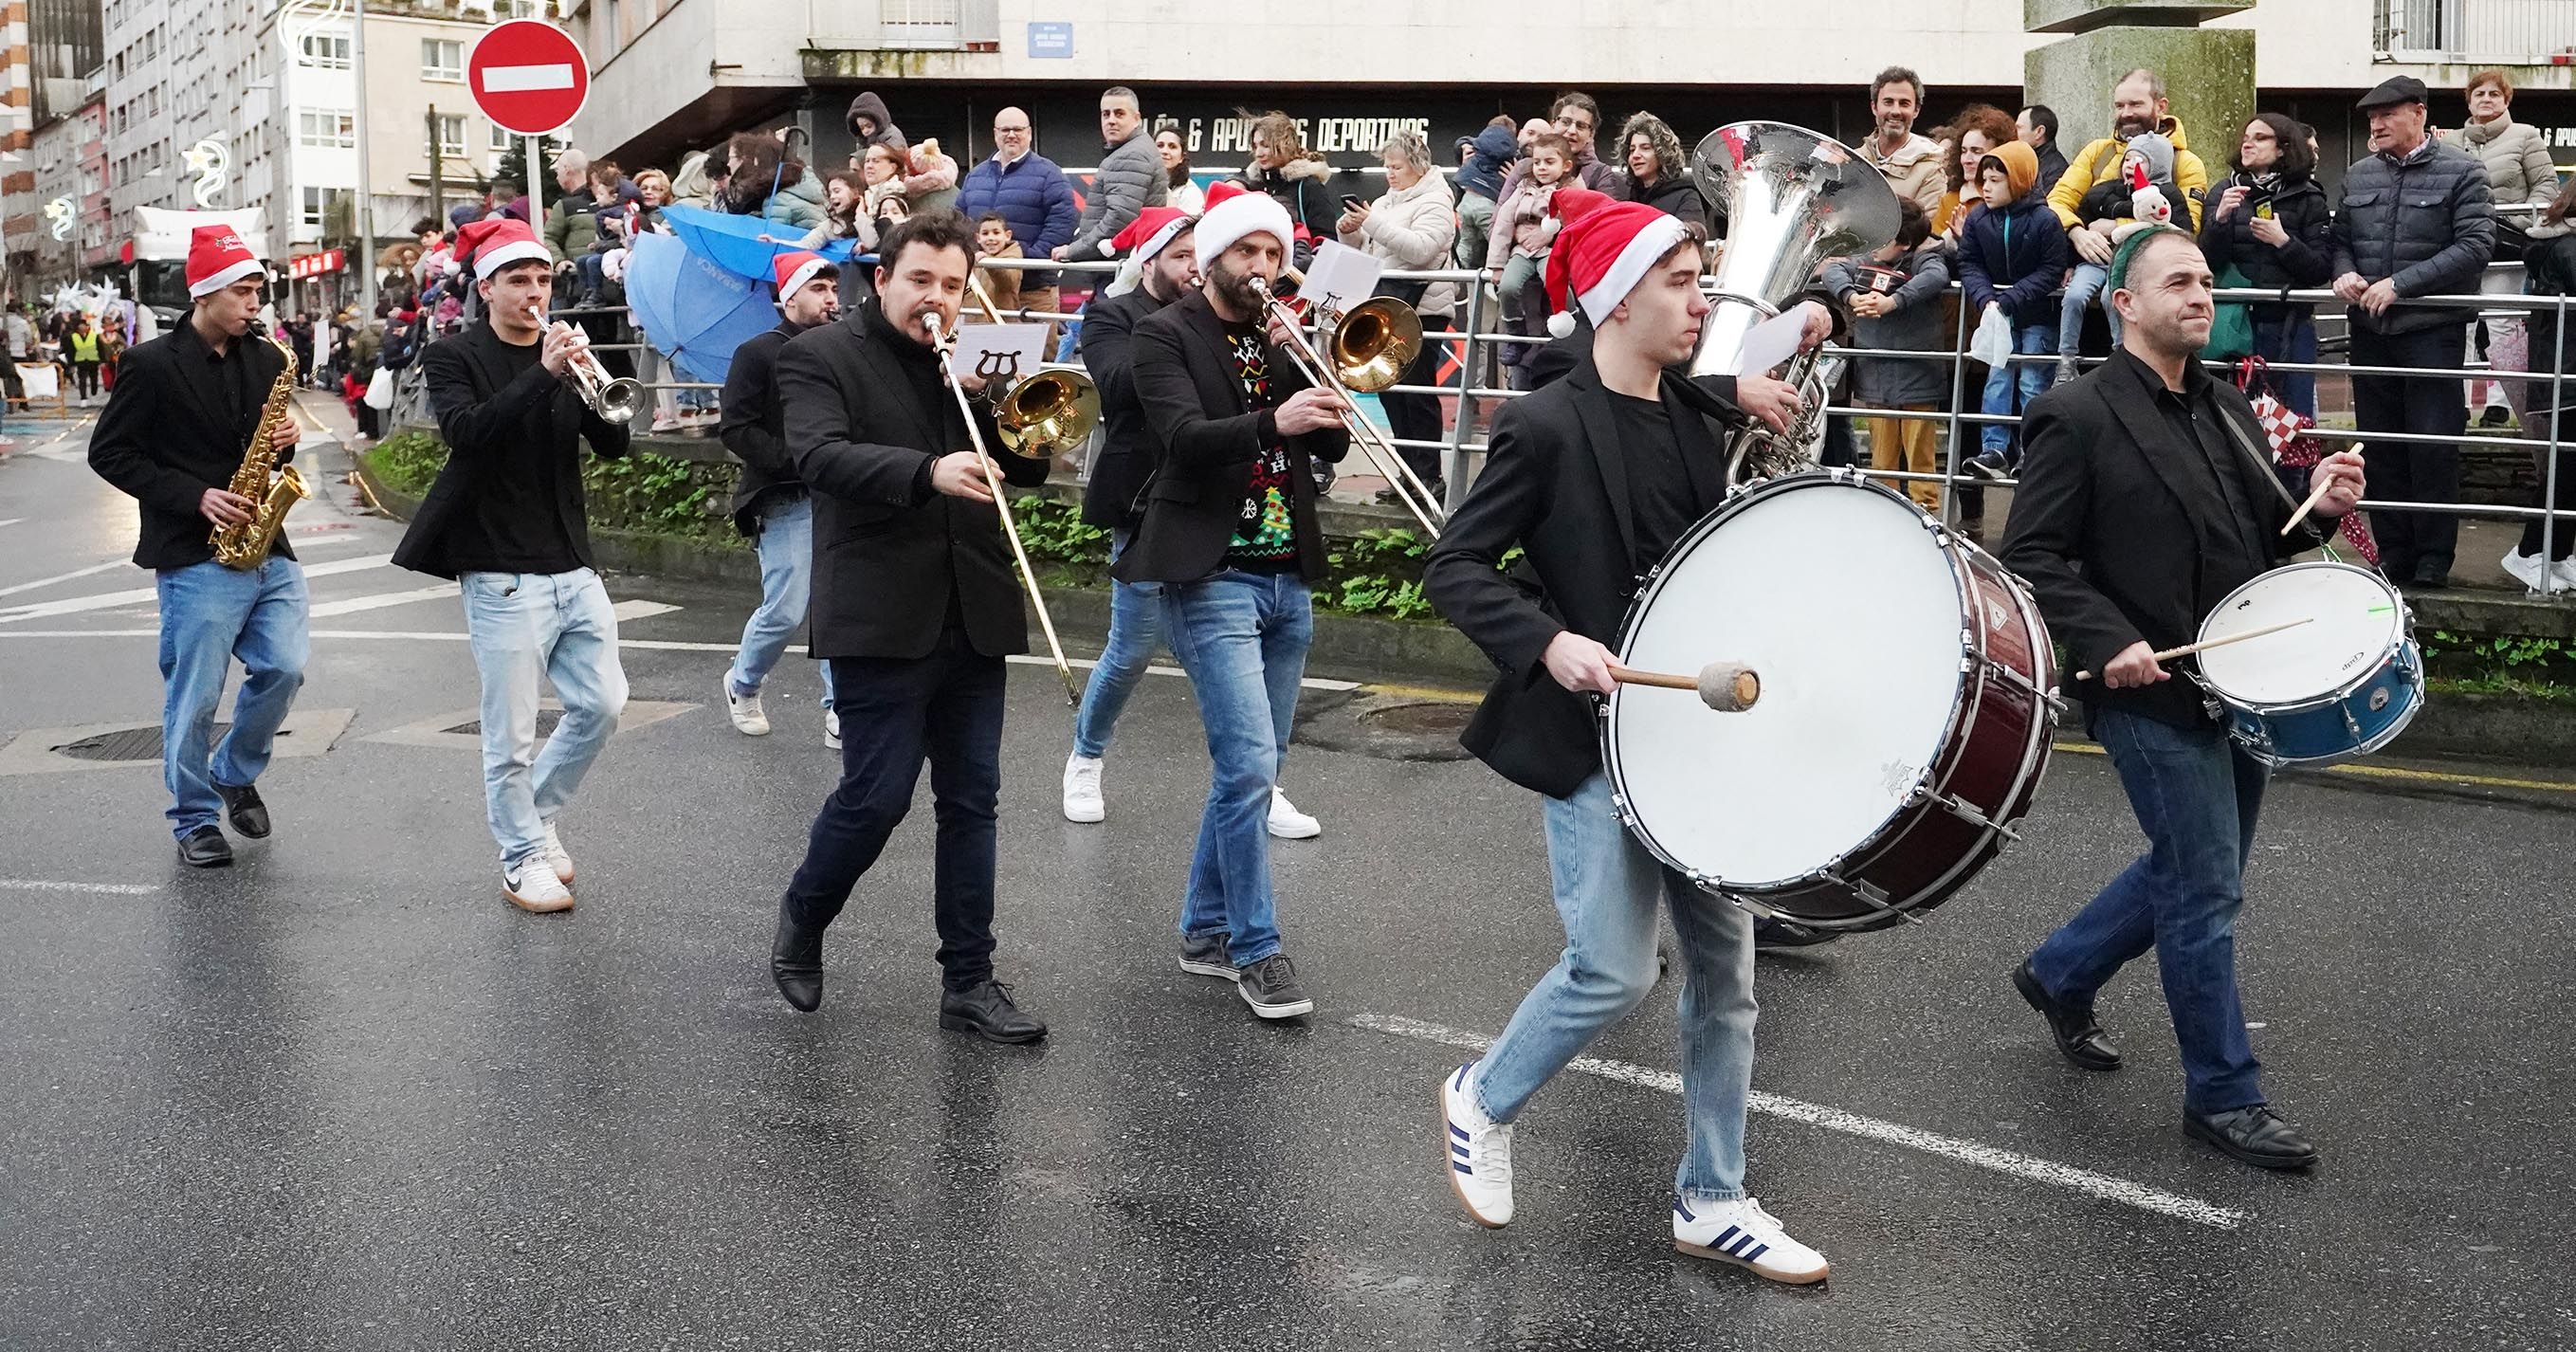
(16, 588)
(329, 537)
(638, 610)
(51, 885)
(12, 521)
(353, 604)
(74, 605)
(1983, 1156)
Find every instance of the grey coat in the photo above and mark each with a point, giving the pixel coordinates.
(1130, 179)
(2428, 224)
(1915, 326)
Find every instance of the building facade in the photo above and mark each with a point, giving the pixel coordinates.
(71, 239)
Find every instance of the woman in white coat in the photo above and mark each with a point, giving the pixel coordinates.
(1412, 228)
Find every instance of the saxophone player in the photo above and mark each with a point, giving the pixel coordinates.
(506, 520)
(185, 406)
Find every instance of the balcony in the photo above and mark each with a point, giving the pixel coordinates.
(916, 26)
(2478, 32)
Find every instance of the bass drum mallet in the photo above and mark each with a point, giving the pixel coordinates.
(1727, 687)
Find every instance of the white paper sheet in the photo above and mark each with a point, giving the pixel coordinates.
(1772, 342)
(1000, 352)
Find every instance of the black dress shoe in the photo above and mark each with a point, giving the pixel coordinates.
(987, 1010)
(206, 847)
(249, 815)
(2255, 1136)
(1769, 934)
(2079, 1039)
(796, 963)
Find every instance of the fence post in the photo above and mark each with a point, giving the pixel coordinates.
(1453, 468)
(1958, 380)
(2549, 472)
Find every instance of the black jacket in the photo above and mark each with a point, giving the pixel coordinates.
(1673, 195)
(167, 436)
(2549, 269)
(1557, 488)
(2428, 223)
(2100, 532)
(2304, 260)
(497, 423)
(893, 559)
(1113, 498)
(755, 429)
(1208, 438)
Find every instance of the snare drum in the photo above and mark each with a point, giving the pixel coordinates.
(2342, 685)
(1904, 716)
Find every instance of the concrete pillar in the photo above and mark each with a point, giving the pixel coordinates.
(2208, 72)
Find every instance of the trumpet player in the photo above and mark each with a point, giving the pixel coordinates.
(506, 520)
(915, 606)
(1230, 532)
(185, 406)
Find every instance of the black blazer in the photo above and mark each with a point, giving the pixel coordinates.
(1113, 499)
(1555, 485)
(754, 428)
(2100, 533)
(165, 439)
(1209, 437)
(495, 421)
(889, 552)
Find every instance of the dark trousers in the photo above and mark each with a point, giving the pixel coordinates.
(85, 377)
(896, 713)
(1416, 417)
(2413, 546)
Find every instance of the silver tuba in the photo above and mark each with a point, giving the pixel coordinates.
(1793, 199)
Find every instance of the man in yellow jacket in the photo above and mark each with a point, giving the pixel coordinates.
(2138, 105)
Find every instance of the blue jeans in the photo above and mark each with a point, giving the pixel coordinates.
(210, 615)
(1242, 637)
(524, 628)
(2290, 338)
(2196, 796)
(786, 548)
(1607, 887)
(2028, 339)
(1135, 629)
(2090, 280)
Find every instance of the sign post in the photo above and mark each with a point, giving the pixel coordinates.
(530, 78)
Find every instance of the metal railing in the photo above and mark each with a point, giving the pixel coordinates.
(2476, 32)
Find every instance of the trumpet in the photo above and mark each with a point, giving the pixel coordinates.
(945, 342)
(1370, 345)
(614, 398)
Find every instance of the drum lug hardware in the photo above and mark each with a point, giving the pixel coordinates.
(1950, 803)
(1871, 895)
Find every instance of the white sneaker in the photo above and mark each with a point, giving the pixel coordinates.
(2530, 570)
(533, 886)
(748, 717)
(2563, 573)
(1480, 1153)
(1082, 801)
(556, 856)
(831, 729)
(1742, 1233)
(1287, 823)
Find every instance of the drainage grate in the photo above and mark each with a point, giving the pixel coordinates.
(137, 744)
(546, 720)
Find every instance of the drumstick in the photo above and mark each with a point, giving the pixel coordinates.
(2188, 649)
(1728, 687)
(2310, 505)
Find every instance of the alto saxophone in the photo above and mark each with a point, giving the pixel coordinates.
(246, 546)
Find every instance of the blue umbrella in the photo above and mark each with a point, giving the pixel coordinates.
(691, 310)
(734, 243)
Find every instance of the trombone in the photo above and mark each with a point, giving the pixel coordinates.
(1046, 412)
(614, 398)
(1369, 346)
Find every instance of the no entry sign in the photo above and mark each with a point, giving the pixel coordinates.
(528, 76)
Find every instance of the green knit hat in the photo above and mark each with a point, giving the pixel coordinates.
(2134, 245)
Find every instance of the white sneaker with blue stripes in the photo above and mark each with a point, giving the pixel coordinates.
(1480, 1153)
(1742, 1233)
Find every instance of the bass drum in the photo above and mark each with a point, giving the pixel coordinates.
(1904, 718)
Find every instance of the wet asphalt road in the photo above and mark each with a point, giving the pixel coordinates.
(342, 1096)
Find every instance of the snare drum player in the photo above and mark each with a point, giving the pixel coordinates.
(2143, 503)
(1593, 477)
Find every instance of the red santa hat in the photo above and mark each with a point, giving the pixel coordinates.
(217, 258)
(1603, 250)
(792, 271)
(498, 242)
(1149, 234)
(1234, 211)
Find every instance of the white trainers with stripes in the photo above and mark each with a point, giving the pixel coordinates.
(1742, 1233)
(1480, 1153)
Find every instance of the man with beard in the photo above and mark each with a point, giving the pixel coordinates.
(1911, 163)
(1230, 531)
(770, 503)
(2138, 106)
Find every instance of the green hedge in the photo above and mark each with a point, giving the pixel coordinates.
(646, 493)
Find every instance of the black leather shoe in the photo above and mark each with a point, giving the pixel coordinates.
(1769, 934)
(796, 963)
(206, 847)
(2255, 1136)
(249, 815)
(987, 1010)
(2079, 1039)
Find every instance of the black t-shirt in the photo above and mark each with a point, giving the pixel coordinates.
(517, 516)
(1661, 501)
(2213, 481)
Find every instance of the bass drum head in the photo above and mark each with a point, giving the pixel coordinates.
(2354, 621)
(1844, 603)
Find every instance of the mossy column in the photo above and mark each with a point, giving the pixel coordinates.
(2208, 72)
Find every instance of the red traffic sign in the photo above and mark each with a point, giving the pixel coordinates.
(528, 76)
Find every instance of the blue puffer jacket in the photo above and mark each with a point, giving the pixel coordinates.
(1483, 172)
(1031, 194)
(2016, 257)
(2428, 224)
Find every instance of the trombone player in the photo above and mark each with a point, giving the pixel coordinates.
(514, 398)
(915, 606)
(1230, 531)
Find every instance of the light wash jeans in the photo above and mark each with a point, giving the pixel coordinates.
(786, 548)
(2090, 280)
(527, 627)
(1135, 630)
(2032, 376)
(1607, 887)
(1242, 637)
(210, 615)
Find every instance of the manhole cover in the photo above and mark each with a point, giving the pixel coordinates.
(1390, 727)
(137, 744)
(546, 720)
(1419, 720)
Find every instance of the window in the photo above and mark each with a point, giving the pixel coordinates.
(323, 51)
(329, 209)
(451, 136)
(326, 127)
(442, 59)
(501, 139)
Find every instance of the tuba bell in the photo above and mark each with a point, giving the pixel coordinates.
(1793, 199)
